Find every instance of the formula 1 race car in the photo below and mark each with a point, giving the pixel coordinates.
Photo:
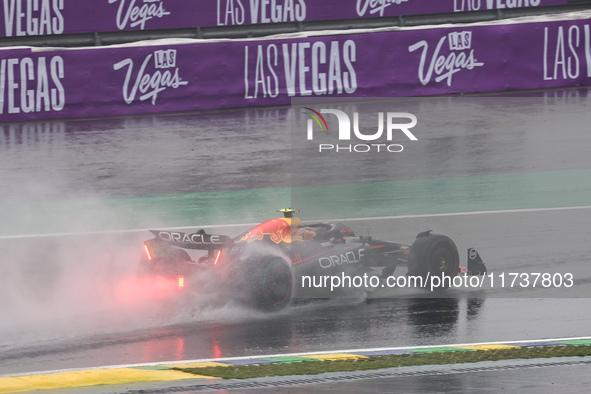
(269, 264)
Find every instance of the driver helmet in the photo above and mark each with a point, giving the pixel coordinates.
(305, 233)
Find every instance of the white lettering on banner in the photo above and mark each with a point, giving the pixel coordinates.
(561, 60)
(233, 12)
(461, 57)
(150, 85)
(35, 135)
(467, 5)
(230, 13)
(310, 68)
(276, 11)
(500, 4)
(475, 5)
(33, 17)
(138, 15)
(375, 6)
(31, 85)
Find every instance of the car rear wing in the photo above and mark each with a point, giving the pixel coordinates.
(199, 240)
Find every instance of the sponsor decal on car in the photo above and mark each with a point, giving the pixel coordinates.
(278, 230)
(351, 257)
(195, 238)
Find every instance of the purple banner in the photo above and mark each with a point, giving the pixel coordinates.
(49, 17)
(133, 80)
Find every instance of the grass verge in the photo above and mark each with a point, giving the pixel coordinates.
(307, 367)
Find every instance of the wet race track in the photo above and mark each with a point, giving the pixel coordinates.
(73, 300)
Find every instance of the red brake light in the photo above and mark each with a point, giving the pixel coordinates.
(217, 258)
(181, 281)
(147, 252)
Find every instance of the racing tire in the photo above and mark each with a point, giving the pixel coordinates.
(434, 255)
(270, 283)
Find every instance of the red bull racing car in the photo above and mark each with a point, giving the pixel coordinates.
(282, 259)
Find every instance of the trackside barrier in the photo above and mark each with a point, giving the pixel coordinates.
(185, 75)
(55, 17)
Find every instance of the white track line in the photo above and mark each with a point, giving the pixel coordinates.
(351, 351)
(428, 215)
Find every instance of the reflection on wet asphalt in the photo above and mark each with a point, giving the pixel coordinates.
(255, 148)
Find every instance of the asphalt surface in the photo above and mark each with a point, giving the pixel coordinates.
(68, 301)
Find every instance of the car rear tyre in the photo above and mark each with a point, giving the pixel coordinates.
(270, 283)
(434, 255)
